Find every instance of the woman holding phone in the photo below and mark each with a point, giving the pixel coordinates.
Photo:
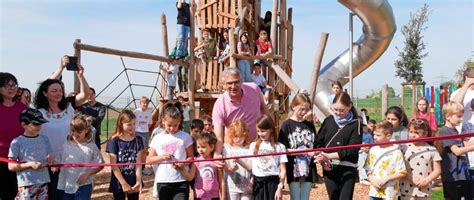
(59, 111)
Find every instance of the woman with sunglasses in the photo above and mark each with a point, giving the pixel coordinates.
(340, 166)
(10, 128)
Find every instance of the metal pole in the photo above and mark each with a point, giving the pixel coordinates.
(351, 53)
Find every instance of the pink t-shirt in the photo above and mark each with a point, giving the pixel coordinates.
(206, 184)
(10, 126)
(430, 118)
(226, 111)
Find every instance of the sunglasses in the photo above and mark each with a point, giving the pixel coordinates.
(418, 121)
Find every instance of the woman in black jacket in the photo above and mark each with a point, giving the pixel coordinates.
(340, 166)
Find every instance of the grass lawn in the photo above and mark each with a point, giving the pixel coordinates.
(437, 194)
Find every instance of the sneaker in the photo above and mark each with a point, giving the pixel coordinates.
(147, 171)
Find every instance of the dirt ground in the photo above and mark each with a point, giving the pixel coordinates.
(103, 180)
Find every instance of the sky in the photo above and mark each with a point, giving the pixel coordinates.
(35, 34)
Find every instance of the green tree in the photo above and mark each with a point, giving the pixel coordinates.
(469, 63)
(409, 65)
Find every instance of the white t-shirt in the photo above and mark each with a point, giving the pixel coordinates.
(186, 116)
(259, 79)
(57, 128)
(172, 75)
(143, 120)
(467, 125)
(176, 145)
(267, 165)
(77, 153)
(237, 181)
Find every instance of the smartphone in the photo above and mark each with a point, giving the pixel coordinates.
(72, 65)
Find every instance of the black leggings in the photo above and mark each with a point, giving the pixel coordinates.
(173, 191)
(340, 182)
(264, 188)
(130, 196)
(8, 184)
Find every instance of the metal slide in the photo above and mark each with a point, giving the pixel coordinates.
(378, 30)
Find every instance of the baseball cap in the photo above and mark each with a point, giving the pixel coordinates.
(31, 115)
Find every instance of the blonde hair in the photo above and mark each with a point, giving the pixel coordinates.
(452, 108)
(80, 123)
(300, 98)
(238, 128)
(385, 126)
(125, 116)
(144, 99)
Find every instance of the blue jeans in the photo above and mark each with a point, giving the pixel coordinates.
(183, 32)
(300, 190)
(244, 67)
(83, 193)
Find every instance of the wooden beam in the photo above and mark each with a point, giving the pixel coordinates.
(285, 78)
(233, 47)
(131, 54)
(317, 65)
(77, 53)
(164, 35)
(191, 67)
(207, 5)
(227, 15)
(273, 29)
(241, 57)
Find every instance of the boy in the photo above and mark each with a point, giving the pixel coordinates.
(143, 121)
(260, 80)
(208, 126)
(34, 153)
(454, 163)
(366, 139)
(196, 127)
(187, 107)
(171, 71)
(385, 165)
(183, 24)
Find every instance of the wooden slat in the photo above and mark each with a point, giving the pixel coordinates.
(215, 77)
(202, 16)
(233, 12)
(226, 10)
(228, 16)
(207, 5)
(214, 16)
(208, 16)
(219, 17)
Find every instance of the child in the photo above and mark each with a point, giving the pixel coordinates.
(237, 144)
(195, 129)
(183, 25)
(186, 108)
(224, 47)
(454, 163)
(371, 126)
(125, 147)
(385, 165)
(296, 133)
(34, 153)
(363, 152)
(144, 121)
(171, 145)
(423, 111)
(397, 117)
(336, 88)
(269, 171)
(423, 162)
(260, 80)
(206, 50)
(264, 46)
(205, 174)
(76, 182)
(171, 71)
(208, 126)
(243, 48)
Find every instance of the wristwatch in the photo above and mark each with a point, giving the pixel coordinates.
(280, 185)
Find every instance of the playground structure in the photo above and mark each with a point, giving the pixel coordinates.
(201, 82)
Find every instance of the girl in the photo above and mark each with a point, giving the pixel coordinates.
(24, 96)
(264, 46)
(10, 128)
(423, 161)
(58, 109)
(423, 111)
(125, 147)
(341, 128)
(237, 144)
(205, 174)
(296, 134)
(269, 171)
(243, 48)
(223, 47)
(207, 48)
(336, 88)
(171, 145)
(397, 117)
(76, 182)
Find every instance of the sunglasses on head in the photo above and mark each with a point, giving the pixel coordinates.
(418, 121)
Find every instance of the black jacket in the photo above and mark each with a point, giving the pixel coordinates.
(351, 133)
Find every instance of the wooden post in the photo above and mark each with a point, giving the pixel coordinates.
(285, 78)
(77, 53)
(257, 7)
(289, 54)
(384, 98)
(164, 38)
(317, 65)
(273, 30)
(191, 58)
(232, 44)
